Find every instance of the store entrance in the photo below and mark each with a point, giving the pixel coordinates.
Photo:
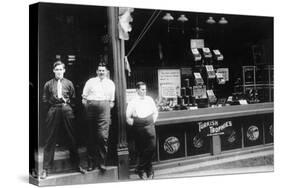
(76, 35)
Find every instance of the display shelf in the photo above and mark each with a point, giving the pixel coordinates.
(183, 116)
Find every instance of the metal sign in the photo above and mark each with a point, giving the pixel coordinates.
(197, 141)
(232, 137)
(253, 133)
(171, 145)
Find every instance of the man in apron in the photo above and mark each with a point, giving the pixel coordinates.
(141, 114)
(98, 99)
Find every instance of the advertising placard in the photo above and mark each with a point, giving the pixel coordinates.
(169, 83)
(213, 127)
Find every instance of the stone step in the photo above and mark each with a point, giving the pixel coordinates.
(61, 160)
(95, 176)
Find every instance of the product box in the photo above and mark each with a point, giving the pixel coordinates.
(198, 80)
(210, 72)
(217, 55)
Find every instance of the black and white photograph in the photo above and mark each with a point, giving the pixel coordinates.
(125, 93)
(131, 94)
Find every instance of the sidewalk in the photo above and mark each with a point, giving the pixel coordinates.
(95, 176)
(255, 169)
(258, 161)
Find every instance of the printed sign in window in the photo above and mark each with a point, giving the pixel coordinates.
(169, 83)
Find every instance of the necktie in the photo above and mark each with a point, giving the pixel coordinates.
(59, 89)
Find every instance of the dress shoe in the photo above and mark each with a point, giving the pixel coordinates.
(34, 173)
(81, 170)
(140, 173)
(91, 165)
(150, 175)
(91, 168)
(44, 174)
(102, 168)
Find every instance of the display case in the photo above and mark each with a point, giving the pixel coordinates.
(203, 111)
(212, 131)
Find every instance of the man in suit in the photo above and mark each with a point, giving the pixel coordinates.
(58, 96)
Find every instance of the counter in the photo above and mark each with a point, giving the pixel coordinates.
(201, 114)
(212, 131)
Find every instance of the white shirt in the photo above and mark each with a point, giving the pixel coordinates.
(141, 107)
(59, 89)
(97, 89)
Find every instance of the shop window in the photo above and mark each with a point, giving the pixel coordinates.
(197, 143)
(268, 128)
(171, 143)
(232, 138)
(253, 131)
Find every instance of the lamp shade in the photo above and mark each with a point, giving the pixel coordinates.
(182, 18)
(223, 21)
(168, 17)
(210, 20)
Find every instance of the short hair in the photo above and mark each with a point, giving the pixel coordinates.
(140, 84)
(102, 64)
(57, 63)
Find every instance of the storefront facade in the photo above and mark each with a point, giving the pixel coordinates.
(204, 79)
(212, 83)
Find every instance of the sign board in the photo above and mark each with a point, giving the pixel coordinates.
(169, 83)
(213, 127)
(171, 145)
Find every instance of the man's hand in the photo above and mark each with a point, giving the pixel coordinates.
(111, 104)
(130, 121)
(64, 100)
(84, 101)
(134, 114)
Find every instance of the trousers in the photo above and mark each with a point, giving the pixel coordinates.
(60, 117)
(98, 121)
(145, 142)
